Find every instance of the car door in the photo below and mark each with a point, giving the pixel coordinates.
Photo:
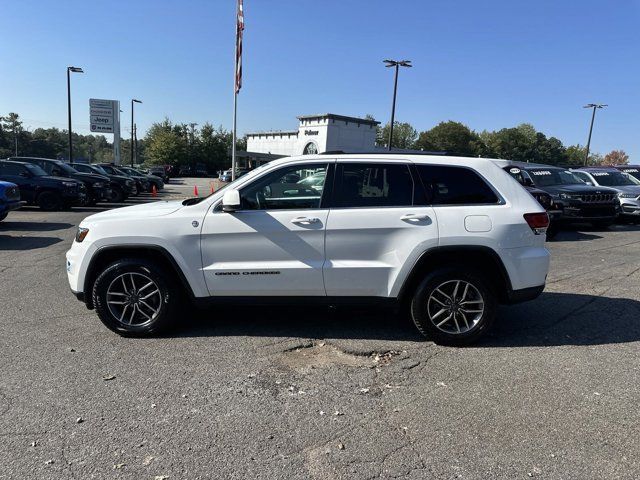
(378, 226)
(273, 245)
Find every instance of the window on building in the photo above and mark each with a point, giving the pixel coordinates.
(373, 185)
(294, 187)
(310, 149)
(455, 186)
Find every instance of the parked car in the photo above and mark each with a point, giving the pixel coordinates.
(632, 170)
(626, 186)
(142, 183)
(578, 202)
(38, 188)
(185, 171)
(543, 198)
(449, 237)
(160, 172)
(121, 186)
(225, 176)
(201, 170)
(152, 179)
(97, 186)
(9, 198)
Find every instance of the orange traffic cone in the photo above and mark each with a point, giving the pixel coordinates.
(154, 191)
(195, 191)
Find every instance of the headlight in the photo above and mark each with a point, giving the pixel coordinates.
(81, 234)
(627, 195)
(98, 185)
(70, 184)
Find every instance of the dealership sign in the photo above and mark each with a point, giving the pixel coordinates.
(103, 115)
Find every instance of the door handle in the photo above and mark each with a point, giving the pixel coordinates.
(415, 216)
(305, 220)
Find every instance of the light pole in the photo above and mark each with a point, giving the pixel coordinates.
(69, 70)
(133, 100)
(397, 64)
(595, 106)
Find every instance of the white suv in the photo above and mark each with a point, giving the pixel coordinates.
(449, 237)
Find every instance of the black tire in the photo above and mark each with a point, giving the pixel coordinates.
(3, 215)
(117, 195)
(167, 301)
(427, 302)
(552, 231)
(49, 201)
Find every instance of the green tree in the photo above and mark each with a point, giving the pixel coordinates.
(450, 136)
(166, 144)
(404, 135)
(516, 143)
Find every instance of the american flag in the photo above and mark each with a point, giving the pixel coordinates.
(239, 30)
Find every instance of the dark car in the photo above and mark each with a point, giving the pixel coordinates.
(121, 185)
(160, 172)
(577, 201)
(9, 198)
(543, 198)
(142, 184)
(38, 188)
(98, 189)
(185, 171)
(152, 179)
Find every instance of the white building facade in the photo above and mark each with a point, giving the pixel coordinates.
(317, 134)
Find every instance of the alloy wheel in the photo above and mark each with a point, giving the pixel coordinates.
(455, 306)
(134, 299)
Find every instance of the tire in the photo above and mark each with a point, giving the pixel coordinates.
(146, 320)
(49, 201)
(430, 306)
(3, 215)
(552, 231)
(117, 195)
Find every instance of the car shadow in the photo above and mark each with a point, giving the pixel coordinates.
(8, 242)
(34, 226)
(298, 321)
(554, 319)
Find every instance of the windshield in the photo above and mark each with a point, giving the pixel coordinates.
(35, 170)
(634, 172)
(611, 179)
(98, 169)
(66, 168)
(553, 177)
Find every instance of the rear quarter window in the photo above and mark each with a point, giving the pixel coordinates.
(455, 186)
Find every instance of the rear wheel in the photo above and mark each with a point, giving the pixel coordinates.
(134, 297)
(117, 195)
(454, 306)
(49, 201)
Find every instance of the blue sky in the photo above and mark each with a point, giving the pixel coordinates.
(488, 64)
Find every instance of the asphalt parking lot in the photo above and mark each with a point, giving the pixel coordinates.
(303, 393)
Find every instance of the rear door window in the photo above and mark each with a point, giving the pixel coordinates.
(373, 185)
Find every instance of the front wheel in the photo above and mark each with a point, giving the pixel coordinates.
(454, 306)
(117, 195)
(49, 201)
(134, 297)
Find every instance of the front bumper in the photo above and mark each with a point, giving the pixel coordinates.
(10, 205)
(630, 207)
(586, 212)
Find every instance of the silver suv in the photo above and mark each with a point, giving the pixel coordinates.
(628, 187)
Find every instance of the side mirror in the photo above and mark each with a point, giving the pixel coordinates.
(528, 182)
(25, 174)
(231, 201)
(589, 183)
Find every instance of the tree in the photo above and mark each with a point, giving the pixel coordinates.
(404, 135)
(452, 137)
(511, 143)
(166, 144)
(616, 157)
(13, 126)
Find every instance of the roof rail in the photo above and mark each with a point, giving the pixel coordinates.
(386, 152)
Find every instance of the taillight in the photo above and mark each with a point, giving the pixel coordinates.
(539, 222)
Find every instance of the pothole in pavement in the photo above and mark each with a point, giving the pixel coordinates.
(323, 355)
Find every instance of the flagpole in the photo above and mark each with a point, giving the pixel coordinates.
(233, 135)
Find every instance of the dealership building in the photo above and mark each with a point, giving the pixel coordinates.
(315, 134)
